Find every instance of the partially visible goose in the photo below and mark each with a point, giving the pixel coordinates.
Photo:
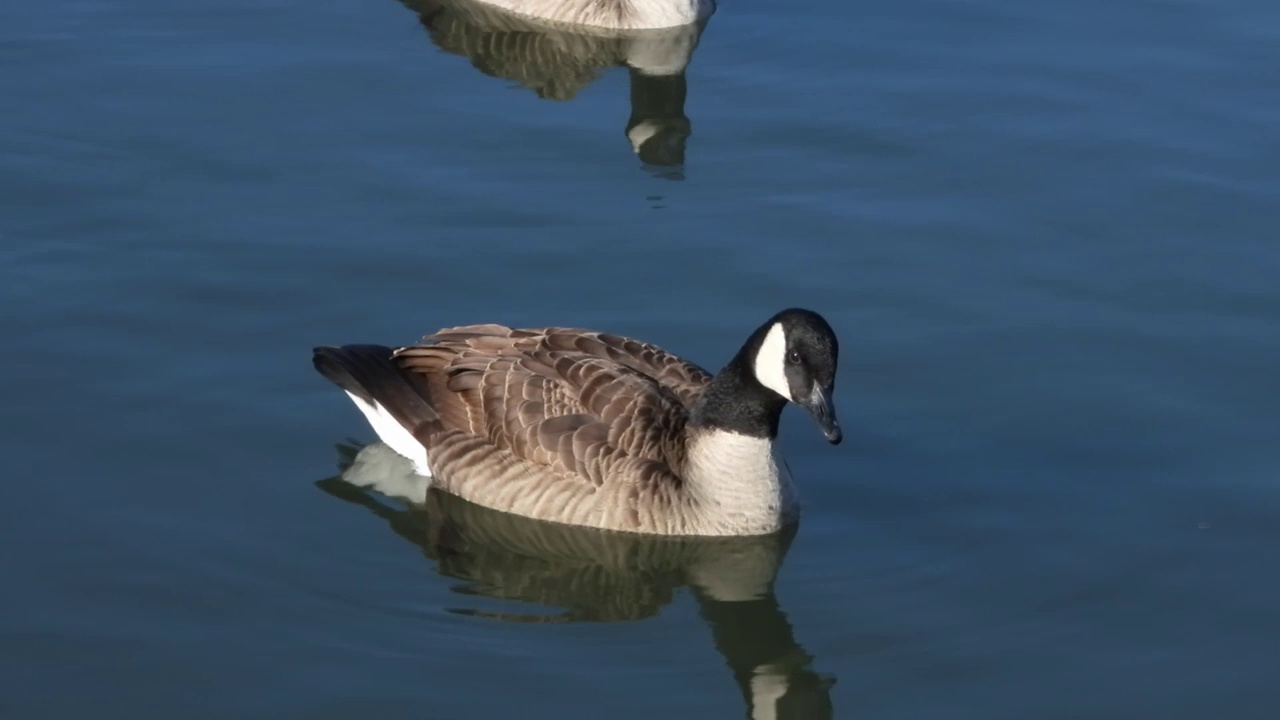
(557, 62)
(612, 14)
(588, 428)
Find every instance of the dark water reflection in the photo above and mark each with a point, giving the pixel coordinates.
(594, 576)
(558, 63)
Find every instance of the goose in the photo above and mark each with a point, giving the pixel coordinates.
(590, 428)
(611, 14)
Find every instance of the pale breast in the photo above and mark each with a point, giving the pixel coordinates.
(738, 484)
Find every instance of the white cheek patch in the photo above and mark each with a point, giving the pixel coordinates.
(770, 366)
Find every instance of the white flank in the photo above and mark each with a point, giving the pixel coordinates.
(391, 432)
(737, 483)
(770, 365)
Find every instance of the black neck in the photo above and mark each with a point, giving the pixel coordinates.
(737, 402)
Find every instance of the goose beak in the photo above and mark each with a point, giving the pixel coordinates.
(823, 410)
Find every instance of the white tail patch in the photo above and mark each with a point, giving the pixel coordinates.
(391, 432)
(770, 366)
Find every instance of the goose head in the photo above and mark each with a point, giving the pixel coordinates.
(794, 355)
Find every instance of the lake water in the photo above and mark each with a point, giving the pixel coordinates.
(1045, 232)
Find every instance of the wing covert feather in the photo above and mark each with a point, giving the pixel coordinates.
(575, 402)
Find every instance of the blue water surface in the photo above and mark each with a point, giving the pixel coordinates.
(1045, 232)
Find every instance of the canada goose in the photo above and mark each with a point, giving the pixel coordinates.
(557, 62)
(609, 14)
(589, 428)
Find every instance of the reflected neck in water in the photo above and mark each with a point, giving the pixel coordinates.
(599, 576)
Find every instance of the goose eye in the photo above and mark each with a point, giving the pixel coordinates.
(793, 357)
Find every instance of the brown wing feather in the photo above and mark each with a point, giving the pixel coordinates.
(572, 402)
(680, 376)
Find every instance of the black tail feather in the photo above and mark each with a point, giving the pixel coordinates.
(368, 372)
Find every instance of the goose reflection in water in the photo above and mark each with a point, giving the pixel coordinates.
(598, 576)
(556, 62)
